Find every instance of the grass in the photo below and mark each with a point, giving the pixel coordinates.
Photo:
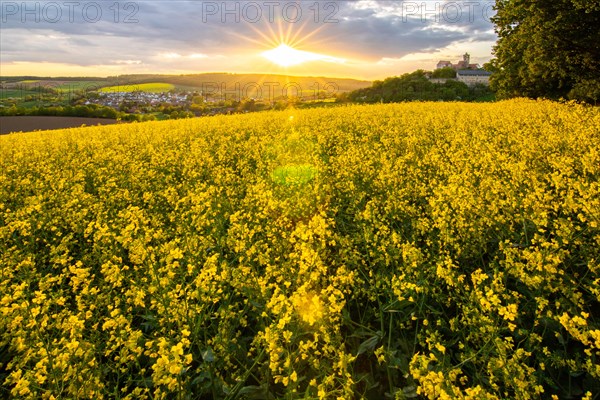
(79, 85)
(155, 87)
(16, 93)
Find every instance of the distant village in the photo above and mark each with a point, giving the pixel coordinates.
(139, 101)
(115, 99)
(187, 102)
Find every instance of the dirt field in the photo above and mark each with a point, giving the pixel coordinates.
(28, 124)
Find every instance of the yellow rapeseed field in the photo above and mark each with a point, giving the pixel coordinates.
(422, 250)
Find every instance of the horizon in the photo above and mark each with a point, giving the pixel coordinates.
(58, 77)
(363, 40)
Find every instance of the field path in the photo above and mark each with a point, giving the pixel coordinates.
(34, 123)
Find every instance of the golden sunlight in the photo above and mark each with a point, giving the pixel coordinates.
(287, 56)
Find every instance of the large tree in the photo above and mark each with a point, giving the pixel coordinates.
(547, 49)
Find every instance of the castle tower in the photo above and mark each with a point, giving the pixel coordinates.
(467, 59)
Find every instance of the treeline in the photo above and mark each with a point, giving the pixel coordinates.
(548, 49)
(88, 111)
(51, 78)
(416, 86)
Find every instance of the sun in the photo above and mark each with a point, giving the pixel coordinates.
(287, 56)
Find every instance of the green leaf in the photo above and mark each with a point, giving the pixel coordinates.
(208, 355)
(369, 344)
(255, 392)
(409, 392)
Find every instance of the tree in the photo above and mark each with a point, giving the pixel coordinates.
(447, 72)
(416, 87)
(547, 49)
(247, 105)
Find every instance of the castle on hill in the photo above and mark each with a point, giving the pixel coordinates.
(470, 74)
(465, 63)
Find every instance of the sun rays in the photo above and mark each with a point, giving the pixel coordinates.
(287, 44)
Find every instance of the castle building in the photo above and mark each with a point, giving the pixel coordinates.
(472, 77)
(465, 63)
(466, 72)
(444, 64)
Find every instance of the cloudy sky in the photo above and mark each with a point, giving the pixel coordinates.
(364, 39)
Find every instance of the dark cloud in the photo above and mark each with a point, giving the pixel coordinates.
(104, 32)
